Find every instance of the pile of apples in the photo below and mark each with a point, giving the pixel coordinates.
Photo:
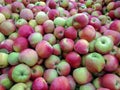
(59, 45)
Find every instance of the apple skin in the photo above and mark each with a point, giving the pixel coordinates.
(29, 57)
(48, 26)
(41, 17)
(44, 49)
(10, 27)
(88, 33)
(88, 86)
(19, 86)
(111, 81)
(103, 88)
(118, 54)
(79, 19)
(25, 31)
(58, 82)
(115, 25)
(81, 46)
(103, 44)
(2, 18)
(111, 63)
(66, 44)
(39, 84)
(21, 73)
(74, 59)
(35, 38)
(97, 82)
(71, 82)
(39, 29)
(51, 3)
(56, 49)
(117, 12)
(94, 62)
(13, 58)
(3, 60)
(52, 61)
(64, 3)
(20, 22)
(2, 87)
(114, 35)
(52, 13)
(71, 33)
(26, 14)
(7, 44)
(59, 32)
(5, 81)
(2, 37)
(59, 21)
(36, 71)
(63, 68)
(18, 44)
(86, 76)
(50, 38)
(50, 75)
(32, 23)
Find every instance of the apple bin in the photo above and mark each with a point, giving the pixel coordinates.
(59, 45)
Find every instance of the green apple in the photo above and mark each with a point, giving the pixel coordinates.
(59, 21)
(33, 23)
(3, 60)
(87, 86)
(2, 18)
(2, 37)
(19, 86)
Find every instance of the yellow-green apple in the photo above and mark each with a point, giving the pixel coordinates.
(36, 71)
(32, 23)
(5, 81)
(29, 85)
(82, 76)
(111, 63)
(56, 49)
(71, 82)
(15, 16)
(25, 31)
(18, 44)
(101, 88)
(52, 13)
(71, 33)
(50, 38)
(52, 61)
(2, 37)
(35, 38)
(97, 7)
(94, 62)
(19, 86)
(59, 32)
(110, 6)
(2, 18)
(2, 87)
(88, 33)
(96, 13)
(7, 27)
(80, 20)
(21, 73)
(115, 25)
(88, 86)
(59, 21)
(63, 68)
(7, 12)
(41, 17)
(92, 46)
(39, 29)
(64, 3)
(39, 84)
(13, 58)
(7, 44)
(3, 60)
(50, 75)
(97, 82)
(111, 81)
(26, 14)
(114, 35)
(60, 83)
(82, 46)
(44, 49)
(48, 26)
(28, 56)
(20, 22)
(103, 44)
(74, 59)
(66, 44)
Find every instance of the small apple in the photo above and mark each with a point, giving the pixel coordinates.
(39, 29)
(59, 21)
(2, 37)
(115, 25)
(88, 86)
(2, 18)
(2, 87)
(20, 86)
(3, 60)
(56, 49)
(20, 22)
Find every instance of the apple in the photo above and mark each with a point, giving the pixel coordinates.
(97, 82)
(51, 3)
(82, 46)
(36, 71)
(64, 3)
(13, 58)
(52, 61)
(2, 87)
(74, 59)
(5, 81)
(7, 27)
(52, 13)
(20, 86)
(115, 25)
(116, 12)
(103, 88)
(32, 23)
(60, 83)
(94, 62)
(111, 6)
(103, 44)
(86, 76)
(39, 84)
(29, 57)
(92, 46)
(21, 73)
(59, 21)
(118, 54)
(44, 49)
(20, 22)
(39, 29)
(3, 60)
(2, 37)
(66, 44)
(3, 18)
(50, 75)
(18, 45)
(56, 49)
(63, 68)
(88, 33)
(88, 86)
(111, 81)
(15, 16)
